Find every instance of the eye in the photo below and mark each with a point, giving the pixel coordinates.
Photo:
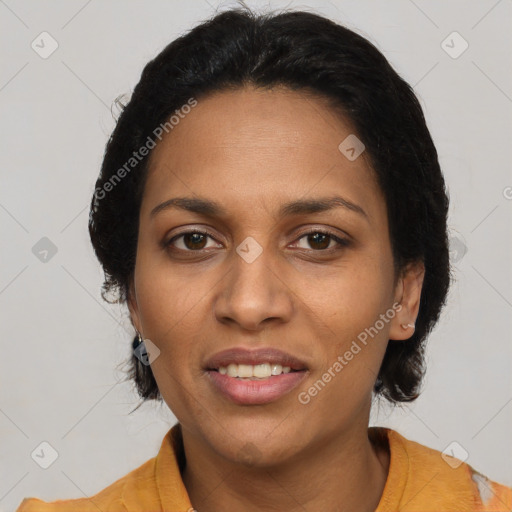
(190, 240)
(320, 240)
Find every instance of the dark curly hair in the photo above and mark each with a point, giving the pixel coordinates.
(307, 52)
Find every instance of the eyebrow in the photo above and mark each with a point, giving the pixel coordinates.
(211, 208)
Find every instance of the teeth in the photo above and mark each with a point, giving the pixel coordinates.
(245, 370)
(258, 371)
(232, 370)
(277, 369)
(262, 371)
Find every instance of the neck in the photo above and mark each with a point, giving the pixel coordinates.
(344, 473)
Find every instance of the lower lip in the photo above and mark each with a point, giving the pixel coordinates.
(256, 392)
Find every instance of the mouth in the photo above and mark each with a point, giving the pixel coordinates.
(254, 372)
(254, 377)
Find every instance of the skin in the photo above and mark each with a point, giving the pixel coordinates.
(251, 151)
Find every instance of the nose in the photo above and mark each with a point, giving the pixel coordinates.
(254, 292)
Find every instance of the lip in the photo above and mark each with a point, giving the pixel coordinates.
(255, 392)
(242, 355)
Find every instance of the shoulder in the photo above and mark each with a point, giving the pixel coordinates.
(441, 480)
(110, 499)
(154, 485)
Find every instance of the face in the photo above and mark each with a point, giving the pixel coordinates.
(269, 278)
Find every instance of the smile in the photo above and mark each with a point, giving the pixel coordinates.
(254, 377)
(257, 371)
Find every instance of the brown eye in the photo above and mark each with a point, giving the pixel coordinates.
(194, 240)
(321, 240)
(190, 241)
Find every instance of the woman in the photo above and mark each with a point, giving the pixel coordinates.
(272, 211)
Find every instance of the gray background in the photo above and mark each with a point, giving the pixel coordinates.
(63, 347)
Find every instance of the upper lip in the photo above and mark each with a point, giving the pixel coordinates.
(242, 355)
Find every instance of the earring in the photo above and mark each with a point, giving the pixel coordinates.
(137, 341)
(406, 326)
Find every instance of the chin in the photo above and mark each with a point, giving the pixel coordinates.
(262, 455)
(255, 444)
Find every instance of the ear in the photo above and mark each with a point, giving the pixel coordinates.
(407, 294)
(133, 306)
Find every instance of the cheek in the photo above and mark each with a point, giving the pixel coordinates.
(171, 308)
(170, 321)
(349, 305)
(352, 297)
(162, 320)
(162, 299)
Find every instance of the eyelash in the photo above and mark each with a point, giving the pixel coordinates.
(342, 242)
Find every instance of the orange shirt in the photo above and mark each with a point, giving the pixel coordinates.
(419, 480)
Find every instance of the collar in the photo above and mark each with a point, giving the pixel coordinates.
(417, 477)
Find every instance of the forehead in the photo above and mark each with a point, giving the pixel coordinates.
(253, 118)
(254, 146)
